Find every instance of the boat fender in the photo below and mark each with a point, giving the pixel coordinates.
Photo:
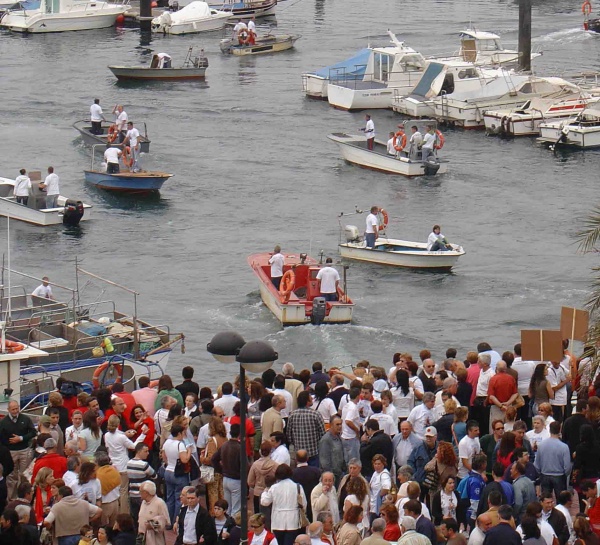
(165, 19)
(400, 135)
(11, 347)
(586, 7)
(243, 37)
(153, 384)
(440, 140)
(127, 157)
(383, 218)
(288, 282)
(101, 370)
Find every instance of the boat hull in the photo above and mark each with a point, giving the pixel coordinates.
(346, 98)
(354, 150)
(411, 255)
(412, 107)
(140, 73)
(265, 44)
(247, 10)
(37, 22)
(127, 182)
(89, 139)
(552, 133)
(315, 86)
(43, 218)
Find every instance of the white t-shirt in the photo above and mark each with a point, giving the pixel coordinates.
(277, 261)
(22, 186)
(133, 135)
(484, 382)
(467, 448)
(111, 155)
(51, 183)
(121, 120)
(379, 481)
(353, 500)
(537, 438)
(428, 141)
(403, 403)
(390, 147)
(545, 529)
(433, 238)
(328, 277)
(420, 417)
(239, 26)
(372, 223)
(281, 455)
(172, 448)
(554, 377)
(386, 423)
(43, 291)
(252, 26)
(370, 129)
(96, 112)
(525, 370)
(326, 408)
(350, 413)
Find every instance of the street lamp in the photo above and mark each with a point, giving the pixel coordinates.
(256, 357)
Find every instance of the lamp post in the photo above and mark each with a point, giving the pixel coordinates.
(253, 356)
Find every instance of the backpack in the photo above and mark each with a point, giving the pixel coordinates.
(70, 388)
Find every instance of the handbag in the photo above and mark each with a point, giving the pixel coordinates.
(207, 473)
(432, 478)
(302, 518)
(181, 468)
(140, 539)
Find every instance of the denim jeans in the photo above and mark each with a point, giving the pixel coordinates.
(351, 448)
(174, 487)
(232, 493)
(556, 483)
(69, 540)
(51, 201)
(370, 240)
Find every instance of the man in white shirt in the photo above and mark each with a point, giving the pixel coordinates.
(484, 523)
(351, 425)
(120, 121)
(416, 141)
(369, 131)
(50, 185)
(96, 117)
(404, 443)
(22, 187)
(240, 25)
(467, 448)
(372, 231)
(328, 280)
(525, 371)
(280, 452)
(390, 145)
(279, 390)
(481, 410)
(386, 423)
(252, 31)
(132, 140)
(112, 156)
(422, 416)
(43, 290)
(436, 242)
(277, 261)
(72, 432)
(564, 504)
(558, 378)
(227, 400)
(428, 142)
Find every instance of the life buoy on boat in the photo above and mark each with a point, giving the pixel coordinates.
(383, 218)
(243, 36)
(400, 135)
(102, 368)
(288, 282)
(586, 7)
(112, 134)
(127, 157)
(440, 140)
(153, 384)
(12, 346)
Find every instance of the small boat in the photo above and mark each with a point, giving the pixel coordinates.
(315, 83)
(302, 304)
(269, 43)
(195, 17)
(160, 69)
(68, 212)
(582, 131)
(63, 15)
(354, 150)
(90, 139)
(246, 9)
(592, 25)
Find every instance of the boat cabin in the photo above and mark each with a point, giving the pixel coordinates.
(161, 60)
(37, 197)
(473, 42)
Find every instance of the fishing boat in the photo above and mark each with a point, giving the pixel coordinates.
(582, 131)
(84, 128)
(160, 69)
(64, 15)
(193, 18)
(79, 338)
(405, 161)
(525, 121)
(246, 9)
(396, 67)
(298, 300)
(315, 83)
(269, 43)
(68, 212)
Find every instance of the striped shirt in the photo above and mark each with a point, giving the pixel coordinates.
(138, 471)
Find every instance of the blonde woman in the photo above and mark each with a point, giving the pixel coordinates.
(217, 435)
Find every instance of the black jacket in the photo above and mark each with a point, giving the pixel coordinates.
(187, 387)
(337, 395)
(436, 506)
(307, 477)
(23, 427)
(428, 383)
(379, 443)
(205, 526)
(483, 499)
(559, 524)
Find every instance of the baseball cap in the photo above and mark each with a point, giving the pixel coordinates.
(431, 431)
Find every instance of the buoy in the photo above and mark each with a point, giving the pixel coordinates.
(154, 5)
(120, 19)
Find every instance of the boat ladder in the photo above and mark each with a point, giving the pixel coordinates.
(444, 104)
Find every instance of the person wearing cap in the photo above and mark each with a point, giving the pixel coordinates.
(424, 453)
(410, 536)
(56, 462)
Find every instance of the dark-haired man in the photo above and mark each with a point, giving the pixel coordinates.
(503, 532)
(228, 461)
(305, 428)
(188, 386)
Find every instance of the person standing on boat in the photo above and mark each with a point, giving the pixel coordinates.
(369, 131)
(120, 121)
(390, 145)
(22, 187)
(111, 156)
(372, 231)
(237, 29)
(428, 142)
(416, 141)
(437, 242)
(329, 280)
(96, 117)
(43, 290)
(132, 140)
(252, 31)
(50, 185)
(277, 261)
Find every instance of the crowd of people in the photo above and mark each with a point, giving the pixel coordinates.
(486, 450)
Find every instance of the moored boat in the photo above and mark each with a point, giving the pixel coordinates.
(160, 69)
(84, 128)
(582, 131)
(193, 18)
(301, 303)
(269, 43)
(247, 9)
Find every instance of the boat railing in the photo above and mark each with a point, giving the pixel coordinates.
(340, 76)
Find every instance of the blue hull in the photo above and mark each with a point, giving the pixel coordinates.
(136, 183)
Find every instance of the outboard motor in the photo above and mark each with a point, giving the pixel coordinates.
(319, 311)
(73, 212)
(352, 234)
(431, 166)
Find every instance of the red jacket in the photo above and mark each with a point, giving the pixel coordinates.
(56, 462)
(270, 537)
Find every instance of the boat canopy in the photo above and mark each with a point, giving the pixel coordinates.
(354, 65)
(431, 81)
(191, 12)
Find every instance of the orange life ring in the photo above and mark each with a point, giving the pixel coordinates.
(113, 133)
(127, 158)
(102, 368)
(243, 36)
(402, 136)
(153, 384)
(586, 7)
(441, 140)
(288, 282)
(12, 346)
(383, 217)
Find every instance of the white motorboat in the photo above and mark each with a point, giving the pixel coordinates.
(354, 150)
(68, 211)
(195, 17)
(442, 78)
(396, 67)
(315, 83)
(525, 121)
(582, 131)
(64, 15)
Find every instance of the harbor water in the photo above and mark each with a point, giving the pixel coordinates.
(253, 168)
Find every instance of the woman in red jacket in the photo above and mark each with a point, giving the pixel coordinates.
(138, 418)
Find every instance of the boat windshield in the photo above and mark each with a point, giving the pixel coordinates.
(489, 45)
(382, 66)
(412, 63)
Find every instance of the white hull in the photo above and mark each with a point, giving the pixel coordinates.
(216, 22)
(413, 255)
(38, 22)
(315, 86)
(354, 150)
(585, 137)
(44, 217)
(346, 98)
(469, 115)
(412, 107)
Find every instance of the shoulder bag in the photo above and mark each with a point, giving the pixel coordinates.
(432, 479)
(207, 473)
(302, 518)
(181, 468)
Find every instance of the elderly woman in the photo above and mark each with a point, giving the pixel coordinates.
(154, 515)
(349, 534)
(380, 484)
